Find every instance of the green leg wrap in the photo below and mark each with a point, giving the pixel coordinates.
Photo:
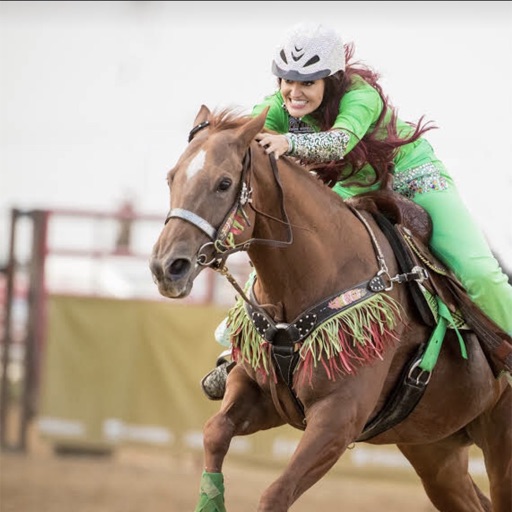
(211, 493)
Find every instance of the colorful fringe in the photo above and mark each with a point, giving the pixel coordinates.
(354, 337)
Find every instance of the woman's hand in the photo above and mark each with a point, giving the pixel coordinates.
(273, 143)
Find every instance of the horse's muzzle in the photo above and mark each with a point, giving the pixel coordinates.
(172, 276)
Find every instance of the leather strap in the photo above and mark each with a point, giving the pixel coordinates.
(406, 264)
(403, 399)
(308, 320)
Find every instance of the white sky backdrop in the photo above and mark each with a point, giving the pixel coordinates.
(97, 98)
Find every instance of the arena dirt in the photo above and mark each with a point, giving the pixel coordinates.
(135, 479)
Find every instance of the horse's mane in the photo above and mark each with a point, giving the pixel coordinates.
(227, 118)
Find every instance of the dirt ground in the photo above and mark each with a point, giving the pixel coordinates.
(136, 479)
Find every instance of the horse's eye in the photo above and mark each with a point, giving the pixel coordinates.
(224, 184)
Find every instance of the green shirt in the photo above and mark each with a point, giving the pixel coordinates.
(360, 108)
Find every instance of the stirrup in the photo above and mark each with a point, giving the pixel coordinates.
(213, 383)
(224, 357)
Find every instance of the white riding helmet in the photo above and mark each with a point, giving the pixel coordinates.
(309, 52)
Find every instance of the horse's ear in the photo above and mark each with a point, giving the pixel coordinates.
(202, 115)
(249, 130)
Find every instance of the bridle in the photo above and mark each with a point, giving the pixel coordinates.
(222, 239)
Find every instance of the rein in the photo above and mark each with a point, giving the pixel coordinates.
(222, 238)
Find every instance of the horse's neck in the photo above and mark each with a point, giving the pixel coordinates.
(331, 248)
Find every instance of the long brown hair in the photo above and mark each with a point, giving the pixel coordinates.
(374, 148)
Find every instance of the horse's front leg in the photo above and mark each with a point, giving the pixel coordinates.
(331, 427)
(245, 409)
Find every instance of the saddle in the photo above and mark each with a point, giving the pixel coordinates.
(408, 228)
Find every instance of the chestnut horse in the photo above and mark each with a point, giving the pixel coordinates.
(311, 253)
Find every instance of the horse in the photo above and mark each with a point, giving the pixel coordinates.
(314, 257)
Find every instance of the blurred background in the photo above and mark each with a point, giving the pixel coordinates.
(96, 102)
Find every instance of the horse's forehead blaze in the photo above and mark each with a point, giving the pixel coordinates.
(191, 179)
(198, 169)
(209, 160)
(196, 164)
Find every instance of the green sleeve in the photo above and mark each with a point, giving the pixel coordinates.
(360, 109)
(277, 117)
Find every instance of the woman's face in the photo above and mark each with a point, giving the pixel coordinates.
(302, 98)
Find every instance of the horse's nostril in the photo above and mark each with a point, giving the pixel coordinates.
(178, 268)
(156, 269)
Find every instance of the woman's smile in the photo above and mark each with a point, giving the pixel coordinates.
(302, 98)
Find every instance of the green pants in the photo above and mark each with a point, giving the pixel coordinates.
(459, 243)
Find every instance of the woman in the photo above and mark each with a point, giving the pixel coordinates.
(331, 113)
